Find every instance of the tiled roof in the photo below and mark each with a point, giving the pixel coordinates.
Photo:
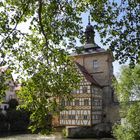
(87, 75)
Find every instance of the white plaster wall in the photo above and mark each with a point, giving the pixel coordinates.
(77, 120)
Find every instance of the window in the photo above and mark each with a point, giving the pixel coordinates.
(74, 91)
(96, 117)
(95, 65)
(63, 102)
(77, 102)
(84, 89)
(85, 117)
(79, 116)
(86, 102)
(5, 107)
(71, 117)
(10, 97)
(62, 117)
(68, 103)
(95, 90)
(100, 101)
(96, 102)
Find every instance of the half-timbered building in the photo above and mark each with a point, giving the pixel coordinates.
(81, 110)
(93, 101)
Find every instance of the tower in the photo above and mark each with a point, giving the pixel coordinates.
(93, 102)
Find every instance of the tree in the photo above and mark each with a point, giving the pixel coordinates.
(40, 55)
(118, 23)
(13, 103)
(54, 26)
(40, 94)
(128, 88)
(2, 85)
(5, 76)
(60, 22)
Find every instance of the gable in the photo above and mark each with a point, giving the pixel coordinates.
(87, 77)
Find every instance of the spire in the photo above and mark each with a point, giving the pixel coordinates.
(89, 33)
(89, 20)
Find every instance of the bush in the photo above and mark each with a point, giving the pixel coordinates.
(19, 125)
(65, 132)
(13, 103)
(3, 123)
(121, 132)
(18, 120)
(14, 121)
(13, 115)
(2, 117)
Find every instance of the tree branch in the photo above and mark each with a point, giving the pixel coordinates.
(40, 22)
(14, 28)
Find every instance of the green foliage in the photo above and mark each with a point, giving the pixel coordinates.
(3, 122)
(41, 92)
(40, 56)
(129, 84)
(65, 132)
(13, 115)
(18, 120)
(130, 129)
(118, 23)
(14, 121)
(13, 103)
(122, 133)
(5, 76)
(2, 117)
(60, 22)
(128, 88)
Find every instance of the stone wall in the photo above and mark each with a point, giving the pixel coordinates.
(105, 71)
(101, 130)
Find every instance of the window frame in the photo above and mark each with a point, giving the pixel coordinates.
(95, 65)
